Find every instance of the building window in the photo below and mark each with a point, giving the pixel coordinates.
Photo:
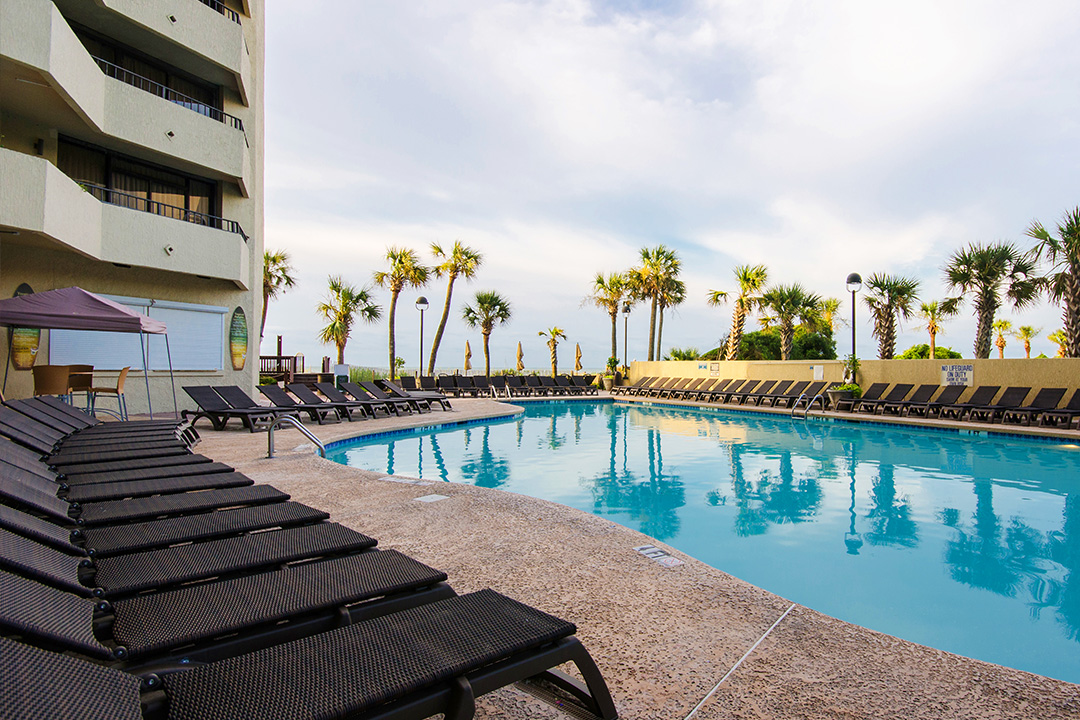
(140, 186)
(196, 339)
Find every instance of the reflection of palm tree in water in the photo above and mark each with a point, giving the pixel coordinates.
(1063, 547)
(440, 461)
(776, 498)
(653, 503)
(890, 517)
(487, 470)
(984, 558)
(390, 458)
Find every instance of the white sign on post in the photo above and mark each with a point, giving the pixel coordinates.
(958, 375)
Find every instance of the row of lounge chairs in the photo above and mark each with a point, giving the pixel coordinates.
(767, 393)
(366, 399)
(902, 400)
(934, 401)
(502, 385)
(130, 591)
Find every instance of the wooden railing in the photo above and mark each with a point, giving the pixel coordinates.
(282, 367)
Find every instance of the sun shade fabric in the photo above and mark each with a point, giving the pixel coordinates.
(74, 309)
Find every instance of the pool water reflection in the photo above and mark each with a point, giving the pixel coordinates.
(966, 543)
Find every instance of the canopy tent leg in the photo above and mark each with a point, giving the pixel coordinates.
(146, 373)
(172, 380)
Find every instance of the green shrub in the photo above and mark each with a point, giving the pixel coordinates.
(922, 352)
(806, 345)
(267, 380)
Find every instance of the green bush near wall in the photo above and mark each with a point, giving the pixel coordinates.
(806, 345)
(922, 352)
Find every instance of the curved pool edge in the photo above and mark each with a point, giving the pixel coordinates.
(662, 637)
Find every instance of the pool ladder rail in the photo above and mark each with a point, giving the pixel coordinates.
(299, 426)
(809, 404)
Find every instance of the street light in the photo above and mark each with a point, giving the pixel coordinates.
(625, 326)
(421, 305)
(854, 284)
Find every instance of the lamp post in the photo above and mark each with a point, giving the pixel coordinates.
(625, 327)
(854, 284)
(421, 305)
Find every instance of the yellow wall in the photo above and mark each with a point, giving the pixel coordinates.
(1034, 373)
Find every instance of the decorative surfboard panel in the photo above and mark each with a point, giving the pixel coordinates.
(238, 339)
(24, 341)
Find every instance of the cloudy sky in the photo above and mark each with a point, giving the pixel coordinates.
(559, 137)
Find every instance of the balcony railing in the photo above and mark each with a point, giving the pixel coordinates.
(155, 88)
(221, 8)
(137, 202)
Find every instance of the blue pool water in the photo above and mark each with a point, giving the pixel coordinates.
(966, 543)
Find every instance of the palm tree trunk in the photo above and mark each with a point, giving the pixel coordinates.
(738, 321)
(888, 338)
(652, 328)
(553, 345)
(933, 345)
(787, 333)
(1027, 349)
(442, 325)
(660, 334)
(1071, 316)
(341, 354)
(614, 334)
(983, 334)
(262, 325)
(487, 357)
(393, 309)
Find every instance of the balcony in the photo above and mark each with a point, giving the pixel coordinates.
(137, 202)
(49, 209)
(223, 9)
(155, 88)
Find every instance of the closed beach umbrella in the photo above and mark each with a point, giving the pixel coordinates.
(577, 359)
(520, 358)
(468, 357)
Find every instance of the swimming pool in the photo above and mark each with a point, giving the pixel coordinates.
(966, 543)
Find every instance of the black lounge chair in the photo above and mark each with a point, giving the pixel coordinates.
(708, 387)
(551, 386)
(679, 384)
(1062, 417)
(787, 396)
(214, 408)
(498, 387)
(204, 623)
(445, 385)
(337, 399)
(688, 390)
(1013, 397)
(126, 575)
(810, 395)
(483, 387)
(567, 385)
(776, 391)
(719, 389)
(656, 385)
(583, 383)
(320, 412)
(874, 392)
(897, 394)
(725, 395)
(430, 659)
(535, 386)
(1045, 399)
(515, 385)
(464, 385)
(948, 396)
(624, 389)
(377, 392)
(48, 440)
(428, 384)
(980, 398)
(760, 388)
(361, 394)
(921, 396)
(400, 393)
(74, 431)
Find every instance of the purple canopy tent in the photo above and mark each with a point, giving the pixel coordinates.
(76, 309)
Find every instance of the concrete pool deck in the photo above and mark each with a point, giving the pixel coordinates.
(663, 638)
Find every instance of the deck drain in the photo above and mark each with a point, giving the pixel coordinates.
(660, 556)
(432, 498)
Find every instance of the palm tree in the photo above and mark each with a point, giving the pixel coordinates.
(1001, 327)
(751, 279)
(889, 299)
(608, 294)
(788, 303)
(277, 278)
(1025, 334)
(651, 280)
(490, 309)
(985, 271)
(1058, 338)
(462, 262)
(934, 313)
(690, 353)
(1064, 281)
(405, 271)
(829, 309)
(340, 309)
(673, 293)
(553, 335)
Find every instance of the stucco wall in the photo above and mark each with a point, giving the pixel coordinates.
(1034, 373)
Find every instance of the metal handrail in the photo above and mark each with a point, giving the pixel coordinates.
(221, 8)
(137, 202)
(299, 426)
(163, 91)
(806, 412)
